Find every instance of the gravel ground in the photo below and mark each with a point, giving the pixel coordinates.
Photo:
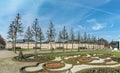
(7, 65)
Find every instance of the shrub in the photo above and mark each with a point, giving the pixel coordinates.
(59, 48)
(116, 59)
(36, 48)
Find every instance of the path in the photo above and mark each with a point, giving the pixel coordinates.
(77, 68)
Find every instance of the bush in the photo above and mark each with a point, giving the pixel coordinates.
(36, 48)
(116, 59)
(18, 48)
(59, 48)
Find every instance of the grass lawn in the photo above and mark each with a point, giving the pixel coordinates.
(115, 54)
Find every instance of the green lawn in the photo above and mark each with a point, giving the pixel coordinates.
(116, 54)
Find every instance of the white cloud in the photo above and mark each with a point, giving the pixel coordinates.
(98, 26)
(81, 27)
(91, 20)
(95, 24)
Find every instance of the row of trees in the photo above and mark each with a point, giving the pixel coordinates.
(34, 32)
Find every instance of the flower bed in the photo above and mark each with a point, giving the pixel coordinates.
(54, 65)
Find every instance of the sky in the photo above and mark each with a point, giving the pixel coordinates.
(96, 17)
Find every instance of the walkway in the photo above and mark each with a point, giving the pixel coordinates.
(77, 68)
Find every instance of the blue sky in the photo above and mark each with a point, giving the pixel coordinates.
(96, 17)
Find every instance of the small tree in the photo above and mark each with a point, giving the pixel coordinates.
(28, 35)
(59, 38)
(78, 38)
(15, 29)
(35, 30)
(40, 36)
(85, 38)
(11, 33)
(94, 41)
(72, 37)
(51, 35)
(64, 36)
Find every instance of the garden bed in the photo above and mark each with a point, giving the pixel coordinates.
(100, 70)
(54, 65)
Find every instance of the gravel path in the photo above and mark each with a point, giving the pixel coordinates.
(77, 68)
(7, 65)
(30, 69)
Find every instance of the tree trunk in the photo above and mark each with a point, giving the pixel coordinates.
(78, 46)
(66, 45)
(63, 47)
(51, 47)
(28, 45)
(59, 44)
(12, 44)
(40, 45)
(72, 45)
(15, 44)
(35, 44)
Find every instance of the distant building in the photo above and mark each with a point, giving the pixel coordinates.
(24, 44)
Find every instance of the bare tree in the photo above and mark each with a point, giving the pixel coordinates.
(35, 30)
(40, 36)
(59, 38)
(28, 35)
(11, 34)
(51, 35)
(72, 37)
(16, 29)
(78, 38)
(85, 38)
(64, 36)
